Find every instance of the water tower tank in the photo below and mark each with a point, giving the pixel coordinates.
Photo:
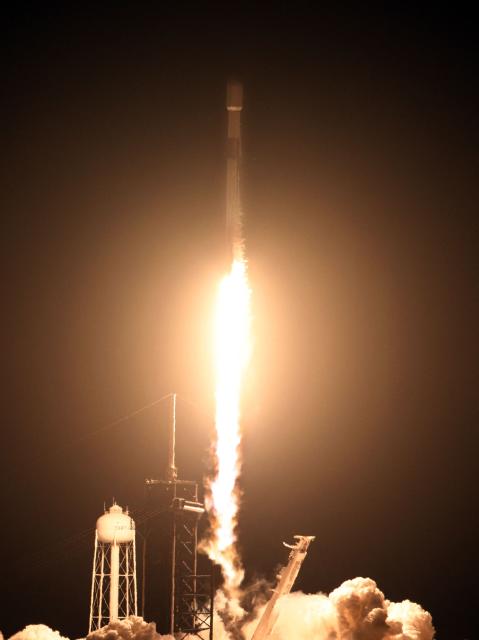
(113, 590)
(115, 526)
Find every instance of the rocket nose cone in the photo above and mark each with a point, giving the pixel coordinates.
(234, 95)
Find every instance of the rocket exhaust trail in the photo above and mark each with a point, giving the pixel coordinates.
(232, 349)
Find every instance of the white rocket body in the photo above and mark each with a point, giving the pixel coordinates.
(234, 105)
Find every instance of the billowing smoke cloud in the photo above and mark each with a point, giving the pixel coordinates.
(357, 610)
(234, 616)
(37, 632)
(133, 628)
(416, 623)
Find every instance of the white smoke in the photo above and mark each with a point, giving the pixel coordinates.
(357, 610)
(132, 628)
(416, 623)
(37, 632)
(135, 628)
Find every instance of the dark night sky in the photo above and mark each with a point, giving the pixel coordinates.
(360, 188)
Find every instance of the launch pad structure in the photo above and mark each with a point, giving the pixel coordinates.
(191, 592)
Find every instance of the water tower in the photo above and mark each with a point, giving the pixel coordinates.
(113, 587)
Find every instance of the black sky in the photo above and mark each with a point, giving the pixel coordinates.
(360, 191)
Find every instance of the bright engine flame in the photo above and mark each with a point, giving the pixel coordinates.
(232, 351)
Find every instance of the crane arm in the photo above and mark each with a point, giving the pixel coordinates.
(286, 579)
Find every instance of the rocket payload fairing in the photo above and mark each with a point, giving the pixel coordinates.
(234, 105)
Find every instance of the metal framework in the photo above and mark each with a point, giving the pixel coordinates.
(114, 565)
(191, 592)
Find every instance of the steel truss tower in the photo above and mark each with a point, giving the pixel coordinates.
(191, 592)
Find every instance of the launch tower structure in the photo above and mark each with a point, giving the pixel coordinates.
(191, 592)
(113, 587)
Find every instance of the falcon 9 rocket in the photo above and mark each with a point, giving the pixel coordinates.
(234, 105)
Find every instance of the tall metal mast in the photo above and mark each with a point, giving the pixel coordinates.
(191, 602)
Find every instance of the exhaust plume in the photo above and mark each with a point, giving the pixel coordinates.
(357, 610)
(37, 632)
(232, 349)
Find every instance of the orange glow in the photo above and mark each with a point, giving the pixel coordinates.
(232, 351)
